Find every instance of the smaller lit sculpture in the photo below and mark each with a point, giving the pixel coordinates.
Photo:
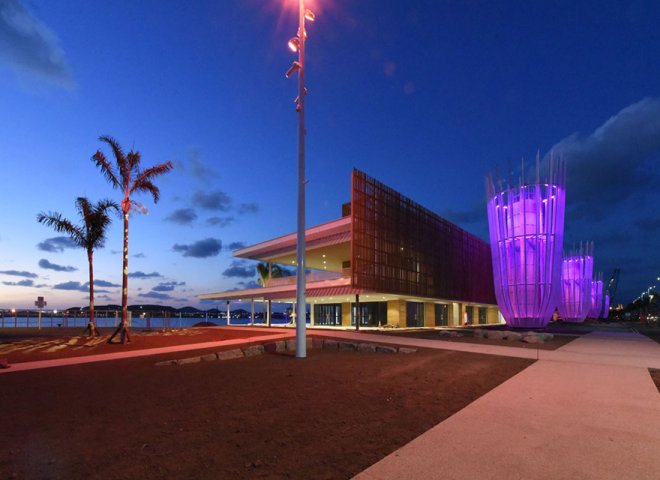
(606, 307)
(596, 297)
(576, 277)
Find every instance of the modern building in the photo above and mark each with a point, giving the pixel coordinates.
(387, 260)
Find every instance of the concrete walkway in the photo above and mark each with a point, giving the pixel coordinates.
(269, 336)
(587, 410)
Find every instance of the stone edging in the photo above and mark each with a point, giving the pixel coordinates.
(288, 345)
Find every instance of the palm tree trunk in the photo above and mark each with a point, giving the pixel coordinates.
(123, 325)
(91, 327)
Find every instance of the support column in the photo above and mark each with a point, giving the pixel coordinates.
(268, 312)
(228, 314)
(311, 314)
(252, 313)
(358, 316)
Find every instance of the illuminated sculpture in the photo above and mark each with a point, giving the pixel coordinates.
(576, 277)
(596, 297)
(526, 224)
(606, 307)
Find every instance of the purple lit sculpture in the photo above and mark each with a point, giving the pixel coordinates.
(526, 224)
(606, 307)
(596, 297)
(576, 277)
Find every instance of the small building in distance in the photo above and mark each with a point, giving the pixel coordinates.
(403, 265)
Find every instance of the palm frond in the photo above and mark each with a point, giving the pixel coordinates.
(63, 225)
(106, 169)
(120, 159)
(134, 158)
(145, 186)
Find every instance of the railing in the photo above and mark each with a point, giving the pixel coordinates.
(316, 276)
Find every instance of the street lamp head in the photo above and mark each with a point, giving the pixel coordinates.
(294, 44)
(294, 68)
(309, 15)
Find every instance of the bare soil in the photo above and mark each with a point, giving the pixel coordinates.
(467, 337)
(270, 416)
(29, 344)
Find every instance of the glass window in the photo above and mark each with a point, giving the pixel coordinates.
(372, 314)
(327, 314)
(441, 315)
(414, 314)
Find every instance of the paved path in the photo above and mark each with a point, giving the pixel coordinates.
(269, 336)
(588, 410)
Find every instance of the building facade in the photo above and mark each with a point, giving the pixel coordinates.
(387, 261)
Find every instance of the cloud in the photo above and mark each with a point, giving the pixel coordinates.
(20, 283)
(104, 283)
(167, 286)
(17, 273)
(220, 221)
(28, 46)
(141, 275)
(77, 287)
(139, 255)
(43, 263)
(616, 160)
(156, 295)
(236, 245)
(196, 167)
(239, 269)
(217, 200)
(209, 247)
(56, 244)
(244, 208)
(250, 284)
(182, 216)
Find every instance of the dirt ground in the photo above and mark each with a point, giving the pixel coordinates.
(270, 416)
(466, 337)
(655, 375)
(29, 344)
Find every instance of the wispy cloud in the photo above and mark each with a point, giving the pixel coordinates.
(77, 287)
(17, 273)
(167, 286)
(20, 283)
(209, 247)
(156, 295)
(218, 200)
(244, 208)
(141, 275)
(220, 221)
(43, 263)
(182, 216)
(235, 246)
(56, 244)
(197, 167)
(29, 47)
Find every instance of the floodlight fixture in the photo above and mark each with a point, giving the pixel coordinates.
(294, 68)
(294, 44)
(309, 15)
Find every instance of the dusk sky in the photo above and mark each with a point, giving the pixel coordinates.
(429, 97)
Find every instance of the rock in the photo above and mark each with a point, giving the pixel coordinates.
(407, 350)
(479, 333)
(317, 342)
(366, 347)
(291, 344)
(329, 343)
(253, 350)
(188, 361)
(533, 338)
(346, 346)
(166, 363)
(384, 349)
(210, 357)
(547, 336)
(275, 347)
(497, 335)
(230, 354)
(514, 336)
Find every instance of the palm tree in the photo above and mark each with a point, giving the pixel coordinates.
(90, 235)
(129, 179)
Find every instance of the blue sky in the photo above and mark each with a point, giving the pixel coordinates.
(429, 97)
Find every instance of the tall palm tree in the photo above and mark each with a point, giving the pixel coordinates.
(89, 235)
(129, 179)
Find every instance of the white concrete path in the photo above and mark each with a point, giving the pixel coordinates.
(588, 410)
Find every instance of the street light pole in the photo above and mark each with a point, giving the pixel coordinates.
(298, 44)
